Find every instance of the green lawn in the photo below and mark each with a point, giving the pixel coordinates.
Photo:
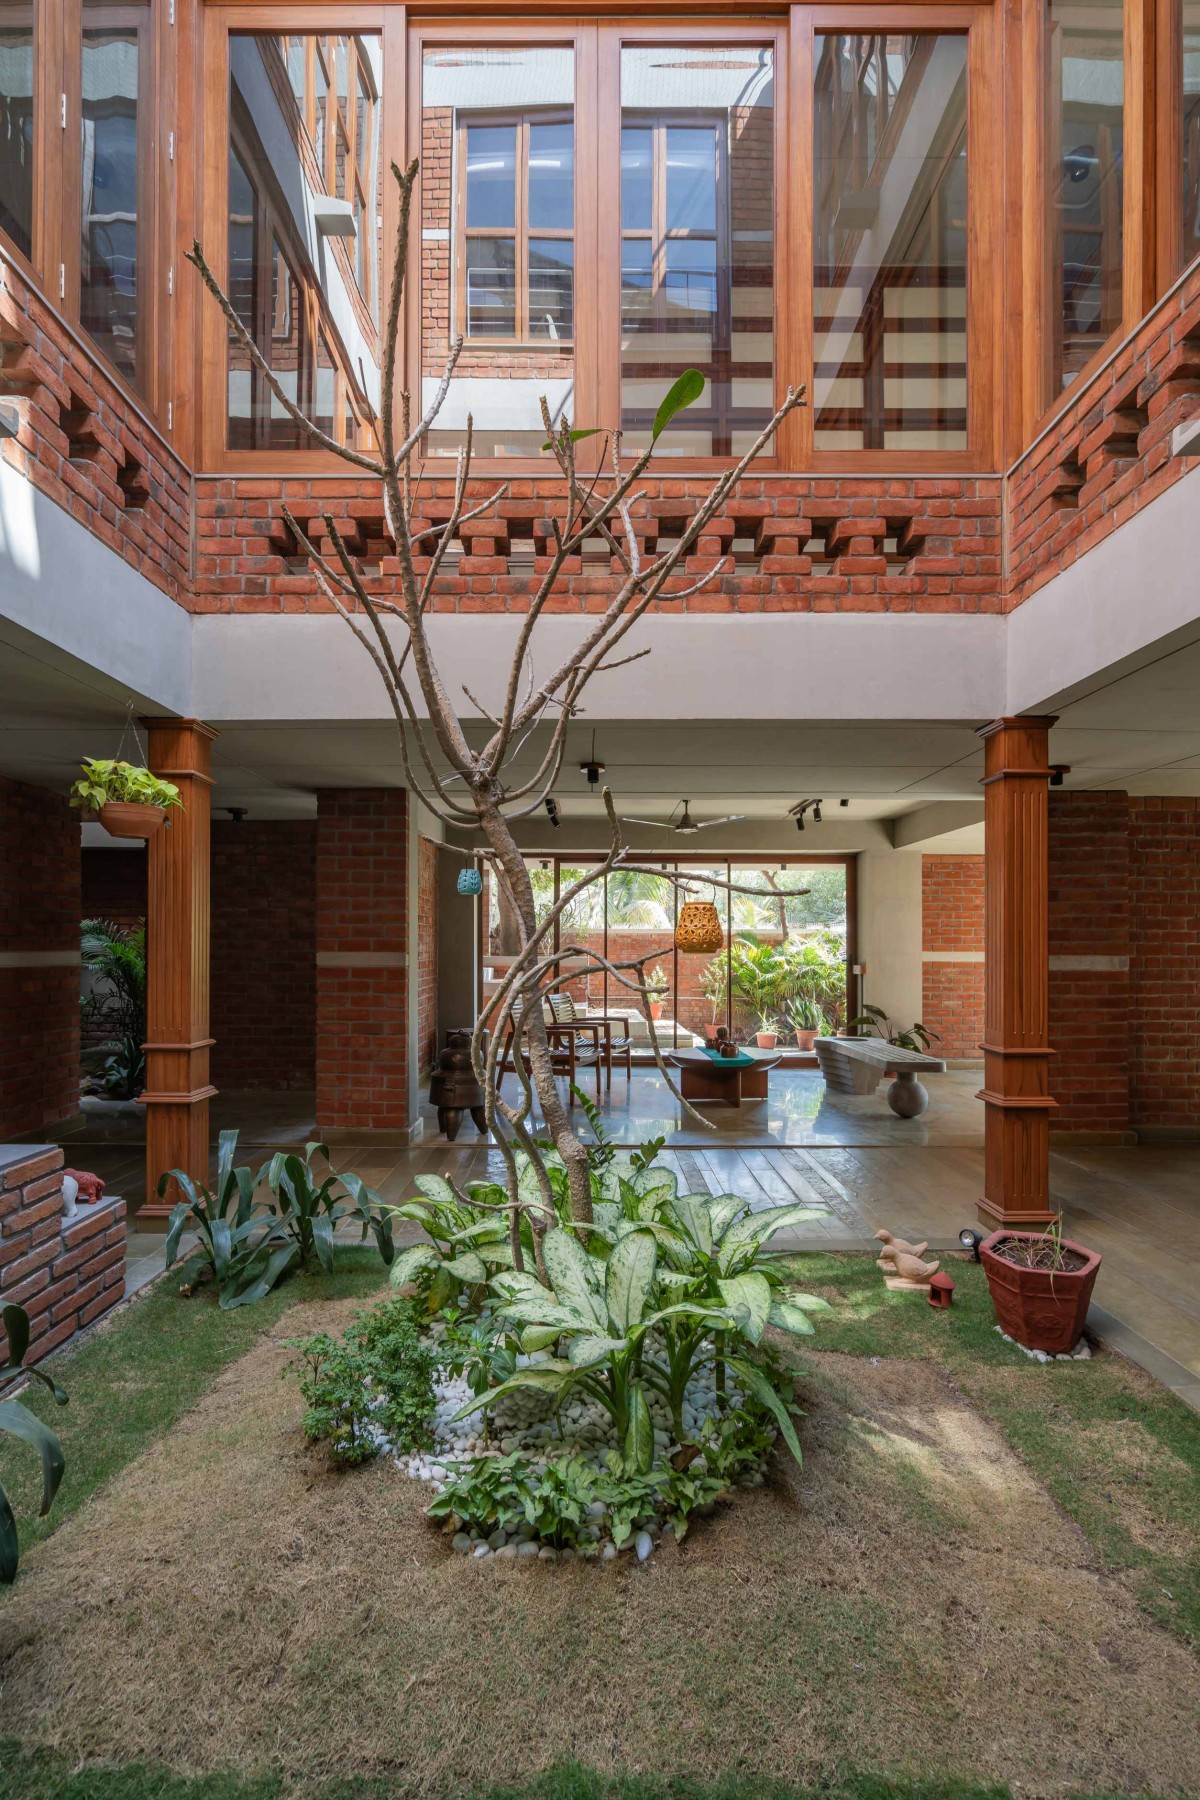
(37, 1776)
(232, 1606)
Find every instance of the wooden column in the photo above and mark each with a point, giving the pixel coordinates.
(177, 947)
(1016, 1051)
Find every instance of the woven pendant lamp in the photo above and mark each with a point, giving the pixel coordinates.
(698, 928)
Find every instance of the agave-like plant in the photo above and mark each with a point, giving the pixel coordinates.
(224, 1219)
(17, 1421)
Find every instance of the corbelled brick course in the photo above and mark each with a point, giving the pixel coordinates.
(83, 444)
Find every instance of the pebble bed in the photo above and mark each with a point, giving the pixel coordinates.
(525, 1421)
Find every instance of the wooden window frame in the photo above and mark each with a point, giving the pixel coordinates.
(203, 367)
(519, 234)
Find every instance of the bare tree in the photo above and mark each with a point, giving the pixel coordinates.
(476, 789)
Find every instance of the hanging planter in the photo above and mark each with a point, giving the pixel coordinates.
(128, 800)
(698, 929)
(470, 881)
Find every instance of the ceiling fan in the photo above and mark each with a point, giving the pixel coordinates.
(685, 822)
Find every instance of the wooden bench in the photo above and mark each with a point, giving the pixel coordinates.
(858, 1065)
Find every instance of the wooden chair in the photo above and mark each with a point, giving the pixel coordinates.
(574, 1046)
(616, 1048)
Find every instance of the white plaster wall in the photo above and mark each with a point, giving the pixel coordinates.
(889, 934)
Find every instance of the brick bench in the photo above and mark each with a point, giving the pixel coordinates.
(66, 1273)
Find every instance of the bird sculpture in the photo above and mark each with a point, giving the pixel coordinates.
(908, 1267)
(901, 1244)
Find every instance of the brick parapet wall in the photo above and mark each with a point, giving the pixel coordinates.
(796, 543)
(39, 959)
(86, 447)
(952, 945)
(66, 1273)
(1107, 454)
(361, 943)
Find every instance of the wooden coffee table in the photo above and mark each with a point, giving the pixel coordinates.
(703, 1080)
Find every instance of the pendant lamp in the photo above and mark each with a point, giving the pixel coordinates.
(470, 881)
(698, 928)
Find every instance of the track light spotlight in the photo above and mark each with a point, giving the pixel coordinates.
(817, 812)
(552, 809)
(799, 821)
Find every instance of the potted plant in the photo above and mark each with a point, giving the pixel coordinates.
(129, 801)
(713, 986)
(874, 1019)
(767, 1035)
(1041, 1285)
(656, 988)
(806, 1020)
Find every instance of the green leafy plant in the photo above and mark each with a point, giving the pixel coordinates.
(16, 1421)
(373, 1385)
(602, 1152)
(106, 779)
(116, 958)
(248, 1244)
(803, 1014)
(469, 1241)
(873, 1020)
(657, 983)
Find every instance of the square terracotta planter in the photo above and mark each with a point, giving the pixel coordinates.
(1041, 1309)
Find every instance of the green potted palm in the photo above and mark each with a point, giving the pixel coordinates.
(128, 800)
(806, 1019)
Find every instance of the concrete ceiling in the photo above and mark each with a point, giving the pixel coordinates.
(1139, 731)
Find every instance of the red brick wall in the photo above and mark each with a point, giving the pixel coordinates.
(362, 1005)
(1090, 899)
(114, 885)
(812, 544)
(39, 918)
(264, 940)
(427, 954)
(86, 447)
(952, 920)
(66, 1273)
(1108, 453)
(1164, 1065)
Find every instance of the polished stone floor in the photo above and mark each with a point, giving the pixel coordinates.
(863, 1167)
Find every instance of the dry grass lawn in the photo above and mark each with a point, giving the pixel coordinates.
(913, 1602)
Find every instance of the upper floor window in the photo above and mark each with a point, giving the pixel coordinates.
(114, 75)
(1085, 160)
(890, 241)
(303, 234)
(697, 242)
(1187, 98)
(498, 241)
(17, 125)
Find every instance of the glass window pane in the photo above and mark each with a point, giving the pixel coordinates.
(491, 176)
(551, 177)
(1087, 101)
(551, 288)
(692, 178)
(490, 277)
(637, 181)
(497, 242)
(697, 251)
(16, 126)
(1189, 242)
(889, 243)
(109, 243)
(304, 274)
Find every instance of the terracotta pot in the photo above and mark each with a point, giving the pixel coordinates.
(712, 1034)
(127, 819)
(766, 1040)
(805, 1039)
(656, 1008)
(1042, 1309)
